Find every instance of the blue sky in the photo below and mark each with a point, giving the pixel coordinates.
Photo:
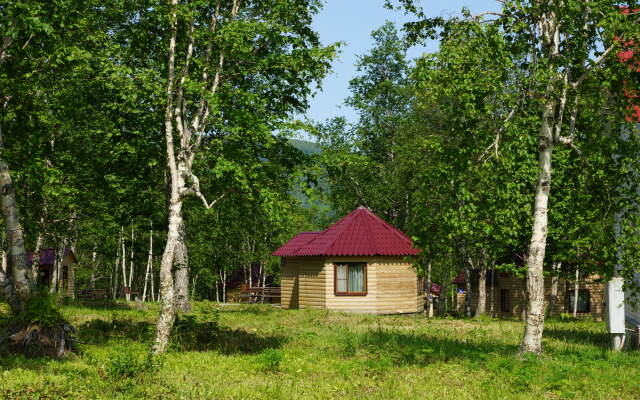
(351, 22)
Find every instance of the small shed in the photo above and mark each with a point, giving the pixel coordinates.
(356, 265)
(66, 273)
(65, 279)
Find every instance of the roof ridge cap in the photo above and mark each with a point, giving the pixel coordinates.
(374, 244)
(340, 231)
(393, 229)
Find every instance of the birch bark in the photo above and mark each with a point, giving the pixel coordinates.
(167, 300)
(554, 289)
(149, 267)
(114, 287)
(532, 340)
(55, 275)
(182, 273)
(442, 302)
(6, 285)
(549, 30)
(94, 269)
(130, 281)
(180, 156)
(124, 263)
(22, 276)
(576, 292)
(427, 287)
(468, 288)
(35, 261)
(482, 292)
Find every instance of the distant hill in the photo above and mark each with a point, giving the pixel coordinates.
(306, 147)
(319, 211)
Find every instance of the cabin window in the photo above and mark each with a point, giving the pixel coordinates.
(584, 305)
(351, 279)
(504, 300)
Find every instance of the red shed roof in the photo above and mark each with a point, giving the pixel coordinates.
(361, 233)
(47, 256)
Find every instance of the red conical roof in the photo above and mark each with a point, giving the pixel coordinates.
(361, 233)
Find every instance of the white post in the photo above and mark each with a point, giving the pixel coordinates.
(615, 312)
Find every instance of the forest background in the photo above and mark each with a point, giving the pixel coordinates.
(120, 120)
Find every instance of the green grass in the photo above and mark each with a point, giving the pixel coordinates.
(260, 352)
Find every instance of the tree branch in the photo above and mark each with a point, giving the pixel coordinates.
(496, 142)
(599, 60)
(568, 141)
(194, 190)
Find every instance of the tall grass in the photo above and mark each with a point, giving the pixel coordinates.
(259, 352)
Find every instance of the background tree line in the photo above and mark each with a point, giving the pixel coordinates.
(152, 139)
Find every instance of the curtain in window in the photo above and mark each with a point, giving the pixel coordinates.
(356, 278)
(342, 279)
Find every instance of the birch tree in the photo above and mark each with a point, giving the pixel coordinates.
(562, 46)
(257, 55)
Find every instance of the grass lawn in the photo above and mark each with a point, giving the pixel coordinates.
(261, 352)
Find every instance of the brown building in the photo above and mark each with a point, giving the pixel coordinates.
(65, 279)
(505, 295)
(356, 265)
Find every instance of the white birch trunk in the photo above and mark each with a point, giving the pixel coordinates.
(63, 284)
(131, 265)
(22, 277)
(532, 339)
(55, 275)
(124, 263)
(217, 293)
(482, 292)
(94, 267)
(6, 285)
(167, 296)
(554, 288)
(429, 303)
(576, 291)
(224, 285)
(149, 267)
(35, 262)
(180, 159)
(116, 266)
(167, 299)
(181, 262)
(468, 289)
(153, 293)
(193, 286)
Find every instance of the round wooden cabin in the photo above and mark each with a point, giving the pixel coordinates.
(356, 265)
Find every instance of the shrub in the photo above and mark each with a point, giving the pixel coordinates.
(126, 362)
(41, 310)
(270, 360)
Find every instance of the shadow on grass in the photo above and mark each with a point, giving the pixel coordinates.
(191, 334)
(102, 305)
(99, 331)
(403, 348)
(257, 309)
(576, 333)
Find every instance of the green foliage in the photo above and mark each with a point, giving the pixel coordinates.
(191, 332)
(126, 362)
(41, 310)
(397, 357)
(270, 360)
(358, 160)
